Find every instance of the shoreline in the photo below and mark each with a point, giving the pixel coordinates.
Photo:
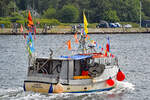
(67, 31)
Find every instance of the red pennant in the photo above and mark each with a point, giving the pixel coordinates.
(24, 36)
(34, 33)
(107, 47)
(69, 44)
(105, 54)
(120, 75)
(75, 35)
(112, 55)
(29, 16)
(21, 28)
(30, 20)
(76, 39)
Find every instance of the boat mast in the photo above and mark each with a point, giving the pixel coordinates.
(82, 41)
(82, 44)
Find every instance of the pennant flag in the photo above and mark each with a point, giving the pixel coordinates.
(88, 37)
(30, 44)
(31, 25)
(69, 44)
(108, 44)
(21, 28)
(85, 23)
(100, 47)
(94, 43)
(107, 47)
(24, 35)
(75, 35)
(105, 52)
(34, 31)
(76, 39)
(30, 22)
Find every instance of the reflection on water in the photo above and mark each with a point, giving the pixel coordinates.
(131, 49)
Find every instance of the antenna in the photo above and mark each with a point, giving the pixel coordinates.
(82, 42)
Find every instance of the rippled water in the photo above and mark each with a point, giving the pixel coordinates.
(131, 49)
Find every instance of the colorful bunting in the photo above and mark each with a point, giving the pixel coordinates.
(31, 26)
(30, 44)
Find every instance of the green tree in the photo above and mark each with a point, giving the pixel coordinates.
(127, 10)
(4, 10)
(97, 8)
(21, 4)
(110, 16)
(146, 7)
(50, 13)
(12, 7)
(69, 13)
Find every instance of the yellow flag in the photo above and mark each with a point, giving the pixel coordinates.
(85, 23)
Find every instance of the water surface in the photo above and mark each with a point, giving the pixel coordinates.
(131, 49)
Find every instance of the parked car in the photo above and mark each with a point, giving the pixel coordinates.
(127, 26)
(112, 25)
(115, 25)
(118, 24)
(102, 24)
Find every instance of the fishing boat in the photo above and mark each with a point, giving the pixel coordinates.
(86, 71)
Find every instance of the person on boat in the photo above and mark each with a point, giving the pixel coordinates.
(84, 68)
(85, 73)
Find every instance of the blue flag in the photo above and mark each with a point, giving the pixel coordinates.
(100, 47)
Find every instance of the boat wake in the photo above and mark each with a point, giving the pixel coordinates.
(10, 93)
(19, 94)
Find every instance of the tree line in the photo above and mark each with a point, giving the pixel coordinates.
(69, 11)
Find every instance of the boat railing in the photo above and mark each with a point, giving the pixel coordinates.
(107, 61)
